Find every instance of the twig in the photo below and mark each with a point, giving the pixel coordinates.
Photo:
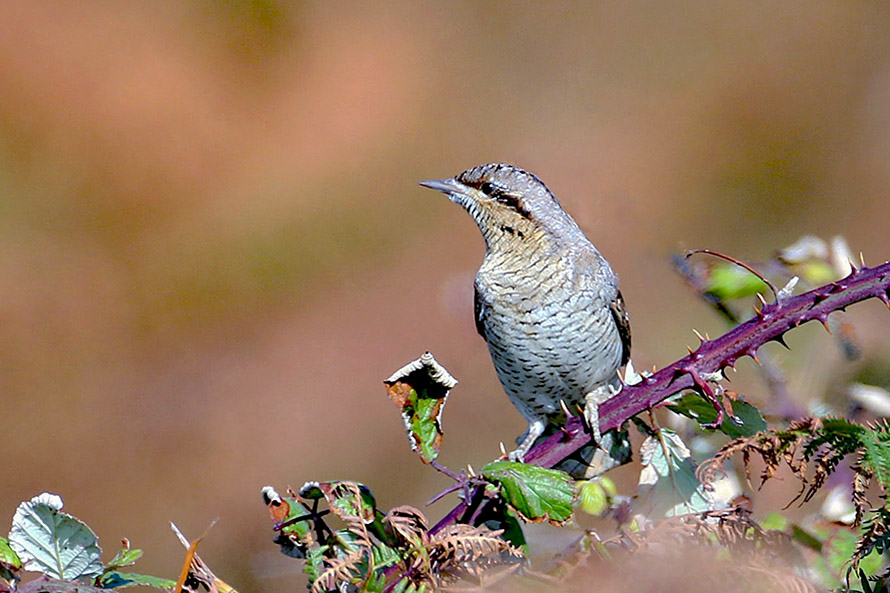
(739, 263)
(770, 324)
(712, 356)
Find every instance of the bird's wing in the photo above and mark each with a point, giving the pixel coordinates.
(479, 311)
(622, 322)
(599, 279)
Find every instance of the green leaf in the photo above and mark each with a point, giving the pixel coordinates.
(876, 453)
(7, 555)
(728, 281)
(124, 557)
(512, 530)
(774, 522)
(836, 549)
(405, 586)
(345, 542)
(286, 509)
(420, 390)
(376, 582)
(54, 543)
(536, 493)
(314, 565)
(119, 580)
(10, 563)
(816, 272)
(806, 539)
(745, 420)
(668, 480)
(385, 556)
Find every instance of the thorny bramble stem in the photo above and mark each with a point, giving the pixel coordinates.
(769, 324)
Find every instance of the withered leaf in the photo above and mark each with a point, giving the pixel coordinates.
(420, 389)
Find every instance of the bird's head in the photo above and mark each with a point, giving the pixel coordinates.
(510, 205)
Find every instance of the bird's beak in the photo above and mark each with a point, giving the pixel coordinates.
(446, 186)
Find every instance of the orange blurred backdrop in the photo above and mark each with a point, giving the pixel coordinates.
(214, 249)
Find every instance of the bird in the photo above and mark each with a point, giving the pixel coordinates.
(546, 301)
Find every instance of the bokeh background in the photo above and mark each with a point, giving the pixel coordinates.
(213, 248)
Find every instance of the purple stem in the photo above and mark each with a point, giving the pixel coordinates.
(769, 324)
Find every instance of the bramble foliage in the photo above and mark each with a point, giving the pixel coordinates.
(678, 506)
(65, 552)
(364, 552)
(812, 449)
(819, 444)
(682, 517)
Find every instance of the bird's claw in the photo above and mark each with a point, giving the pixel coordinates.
(592, 420)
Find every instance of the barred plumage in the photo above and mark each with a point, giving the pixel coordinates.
(547, 302)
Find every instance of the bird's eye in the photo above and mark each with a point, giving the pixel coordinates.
(487, 188)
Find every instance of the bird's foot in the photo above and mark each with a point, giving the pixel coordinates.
(592, 412)
(592, 420)
(535, 429)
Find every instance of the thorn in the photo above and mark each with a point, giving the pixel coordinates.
(565, 408)
(862, 260)
(691, 351)
(759, 313)
(707, 337)
(503, 449)
(788, 290)
(654, 369)
(761, 299)
(471, 471)
(753, 355)
(825, 325)
(699, 336)
(853, 269)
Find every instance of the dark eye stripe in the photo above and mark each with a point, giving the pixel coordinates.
(513, 202)
(500, 194)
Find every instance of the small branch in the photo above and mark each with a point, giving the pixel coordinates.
(712, 356)
(739, 263)
(769, 324)
(693, 279)
(445, 470)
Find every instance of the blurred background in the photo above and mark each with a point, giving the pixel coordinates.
(213, 248)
